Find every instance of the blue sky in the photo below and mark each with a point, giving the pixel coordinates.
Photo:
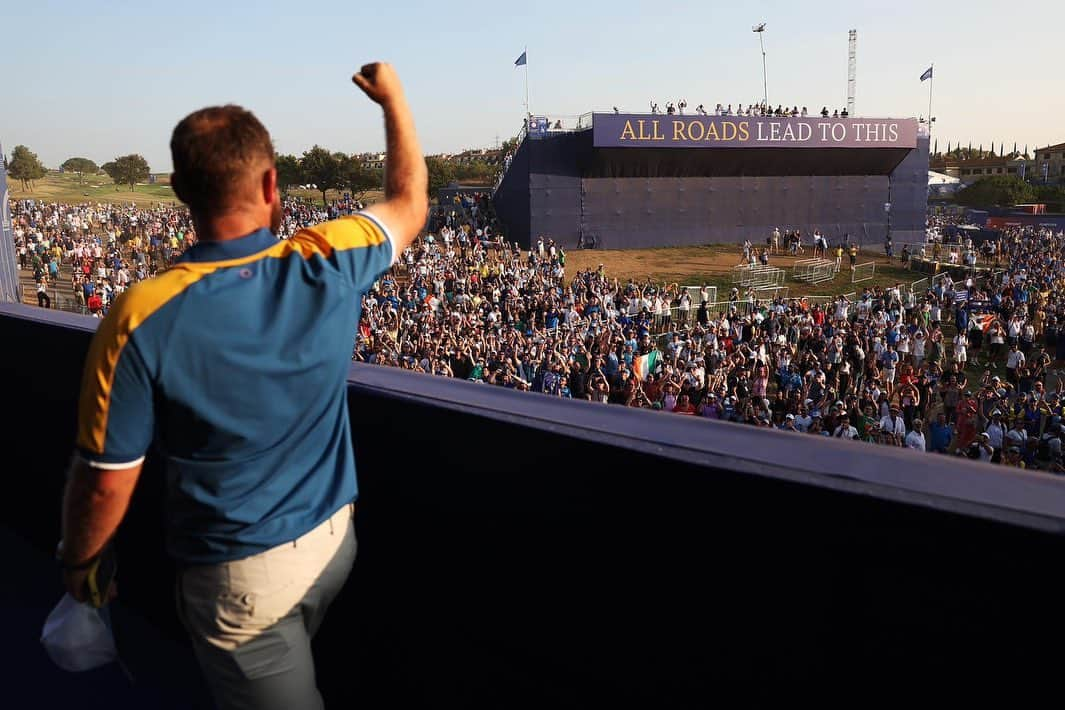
(106, 78)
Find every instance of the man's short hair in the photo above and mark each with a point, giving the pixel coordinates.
(215, 152)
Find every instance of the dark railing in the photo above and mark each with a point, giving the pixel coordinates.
(518, 550)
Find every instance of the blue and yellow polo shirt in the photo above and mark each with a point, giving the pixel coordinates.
(235, 360)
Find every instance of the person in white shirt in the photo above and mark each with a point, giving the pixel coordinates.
(893, 425)
(1014, 329)
(960, 350)
(915, 439)
(983, 448)
(803, 421)
(918, 348)
(1017, 436)
(996, 431)
(1014, 359)
(845, 430)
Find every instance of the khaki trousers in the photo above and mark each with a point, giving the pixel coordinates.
(252, 620)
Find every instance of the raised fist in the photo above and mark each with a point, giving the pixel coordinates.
(380, 82)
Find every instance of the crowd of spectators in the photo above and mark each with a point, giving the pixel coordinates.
(961, 367)
(926, 369)
(753, 109)
(100, 249)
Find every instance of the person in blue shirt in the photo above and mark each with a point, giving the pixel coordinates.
(940, 434)
(234, 361)
(611, 363)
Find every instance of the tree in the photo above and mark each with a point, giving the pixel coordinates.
(441, 174)
(358, 179)
(477, 171)
(25, 167)
(127, 170)
(1051, 195)
(111, 170)
(289, 172)
(80, 167)
(1000, 190)
(321, 168)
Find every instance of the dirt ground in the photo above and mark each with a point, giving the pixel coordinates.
(712, 265)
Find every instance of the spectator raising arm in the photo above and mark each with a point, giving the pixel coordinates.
(406, 202)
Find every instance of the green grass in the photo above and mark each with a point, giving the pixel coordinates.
(67, 188)
(315, 196)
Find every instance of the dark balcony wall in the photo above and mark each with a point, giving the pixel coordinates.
(521, 551)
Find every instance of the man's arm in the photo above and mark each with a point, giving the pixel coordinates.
(94, 503)
(406, 202)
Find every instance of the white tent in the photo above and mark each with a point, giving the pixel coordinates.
(935, 178)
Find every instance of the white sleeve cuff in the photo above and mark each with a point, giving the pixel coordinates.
(110, 466)
(387, 232)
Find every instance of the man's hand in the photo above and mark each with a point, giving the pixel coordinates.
(75, 582)
(380, 82)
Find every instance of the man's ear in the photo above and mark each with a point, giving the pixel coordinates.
(269, 186)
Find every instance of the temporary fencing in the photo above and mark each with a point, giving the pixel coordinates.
(863, 272)
(757, 275)
(813, 271)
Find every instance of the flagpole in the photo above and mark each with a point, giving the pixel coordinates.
(931, 68)
(528, 114)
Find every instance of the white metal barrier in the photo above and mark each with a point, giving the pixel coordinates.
(757, 275)
(868, 271)
(695, 292)
(813, 270)
(770, 293)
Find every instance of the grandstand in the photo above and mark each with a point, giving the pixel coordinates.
(630, 181)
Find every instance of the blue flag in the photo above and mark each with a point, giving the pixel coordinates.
(521, 60)
(926, 75)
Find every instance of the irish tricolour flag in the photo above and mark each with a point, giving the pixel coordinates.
(645, 364)
(984, 320)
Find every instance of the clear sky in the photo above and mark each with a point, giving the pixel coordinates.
(105, 78)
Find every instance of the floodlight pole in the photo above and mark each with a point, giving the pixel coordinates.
(760, 29)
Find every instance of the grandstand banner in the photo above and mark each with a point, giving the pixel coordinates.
(9, 283)
(612, 130)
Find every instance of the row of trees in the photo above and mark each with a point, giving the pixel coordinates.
(1008, 190)
(319, 167)
(27, 168)
(326, 171)
(337, 171)
(978, 153)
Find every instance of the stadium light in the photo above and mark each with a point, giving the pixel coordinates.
(760, 30)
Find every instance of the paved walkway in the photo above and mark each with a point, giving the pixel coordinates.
(61, 293)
